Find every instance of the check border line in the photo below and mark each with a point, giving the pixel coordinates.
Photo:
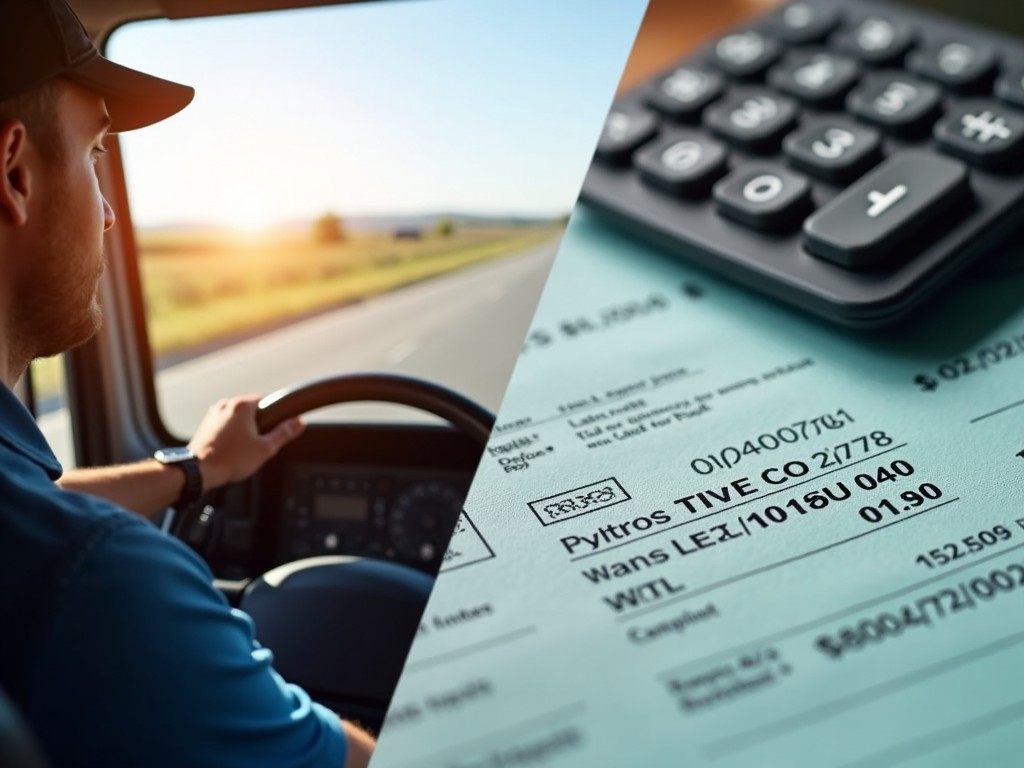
(996, 412)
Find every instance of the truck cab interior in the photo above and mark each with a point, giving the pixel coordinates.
(332, 547)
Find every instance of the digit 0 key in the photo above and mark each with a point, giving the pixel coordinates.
(763, 196)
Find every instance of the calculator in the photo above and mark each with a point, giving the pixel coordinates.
(848, 158)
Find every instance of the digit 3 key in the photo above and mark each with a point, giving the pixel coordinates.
(848, 159)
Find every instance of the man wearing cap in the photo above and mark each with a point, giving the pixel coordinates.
(113, 642)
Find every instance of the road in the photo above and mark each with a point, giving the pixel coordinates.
(464, 330)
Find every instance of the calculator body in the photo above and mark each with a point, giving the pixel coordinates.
(920, 199)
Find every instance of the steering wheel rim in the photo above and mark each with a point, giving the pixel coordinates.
(462, 413)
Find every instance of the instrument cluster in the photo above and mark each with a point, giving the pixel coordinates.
(405, 515)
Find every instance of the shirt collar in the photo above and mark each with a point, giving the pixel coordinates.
(20, 433)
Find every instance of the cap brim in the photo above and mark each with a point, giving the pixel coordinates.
(134, 99)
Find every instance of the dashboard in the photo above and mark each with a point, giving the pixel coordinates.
(392, 492)
(384, 512)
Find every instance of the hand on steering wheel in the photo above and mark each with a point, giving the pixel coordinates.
(342, 626)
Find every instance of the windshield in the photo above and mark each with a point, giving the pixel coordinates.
(377, 186)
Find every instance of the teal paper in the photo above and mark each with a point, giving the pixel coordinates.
(708, 583)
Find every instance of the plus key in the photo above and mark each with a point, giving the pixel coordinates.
(880, 201)
(863, 227)
(983, 133)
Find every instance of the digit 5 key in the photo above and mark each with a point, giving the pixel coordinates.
(865, 224)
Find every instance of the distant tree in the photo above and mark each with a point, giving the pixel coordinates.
(445, 227)
(329, 228)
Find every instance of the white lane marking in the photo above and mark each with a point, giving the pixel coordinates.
(404, 350)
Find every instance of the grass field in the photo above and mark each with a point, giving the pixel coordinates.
(200, 287)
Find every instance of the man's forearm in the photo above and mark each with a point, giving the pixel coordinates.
(360, 745)
(227, 443)
(145, 487)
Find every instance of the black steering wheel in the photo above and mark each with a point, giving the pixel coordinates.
(341, 626)
(459, 411)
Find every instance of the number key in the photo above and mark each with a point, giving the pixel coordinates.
(623, 132)
(744, 54)
(819, 79)
(684, 92)
(834, 149)
(686, 164)
(755, 119)
(900, 104)
(877, 40)
(802, 23)
(763, 196)
(962, 66)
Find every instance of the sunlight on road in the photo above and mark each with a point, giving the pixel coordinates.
(468, 326)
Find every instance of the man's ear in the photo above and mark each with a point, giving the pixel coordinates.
(14, 172)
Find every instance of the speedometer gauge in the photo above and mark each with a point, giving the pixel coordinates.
(422, 519)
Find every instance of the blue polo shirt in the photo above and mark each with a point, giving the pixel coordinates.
(116, 647)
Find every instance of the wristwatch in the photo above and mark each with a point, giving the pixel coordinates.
(189, 463)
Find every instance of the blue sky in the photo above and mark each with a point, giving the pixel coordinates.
(489, 106)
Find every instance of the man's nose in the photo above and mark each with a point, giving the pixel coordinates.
(108, 215)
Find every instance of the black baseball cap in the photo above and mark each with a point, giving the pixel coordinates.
(42, 39)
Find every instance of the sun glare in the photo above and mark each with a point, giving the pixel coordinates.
(248, 217)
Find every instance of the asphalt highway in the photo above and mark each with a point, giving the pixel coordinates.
(463, 330)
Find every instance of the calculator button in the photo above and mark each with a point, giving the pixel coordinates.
(763, 197)
(684, 92)
(863, 224)
(744, 54)
(819, 79)
(876, 40)
(834, 149)
(623, 132)
(962, 66)
(1010, 87)
(982, 132)
(897, 103)
(754, 119)
(685, 165)
(802, 23)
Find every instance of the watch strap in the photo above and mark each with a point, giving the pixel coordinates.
(188, 462)
(193, 489)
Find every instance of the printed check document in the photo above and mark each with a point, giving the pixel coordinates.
(711, 531)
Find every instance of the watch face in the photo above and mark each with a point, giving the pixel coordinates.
(173, 455)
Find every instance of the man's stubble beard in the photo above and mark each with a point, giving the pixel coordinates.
(57, 303)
